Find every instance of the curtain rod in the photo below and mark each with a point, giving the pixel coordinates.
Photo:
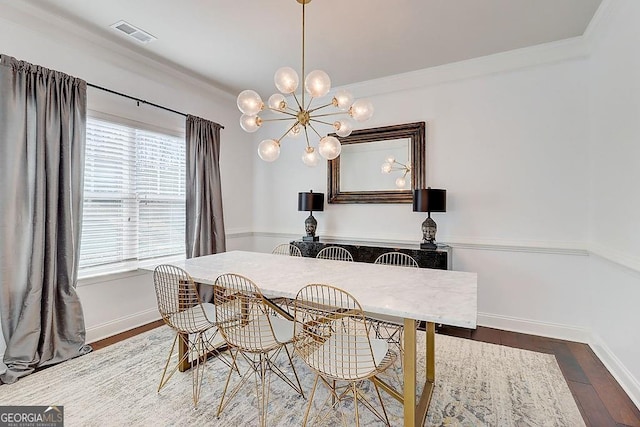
(140, 100)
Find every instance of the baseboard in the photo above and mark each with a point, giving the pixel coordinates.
(532, 327)
(627, 381)
(121, 324)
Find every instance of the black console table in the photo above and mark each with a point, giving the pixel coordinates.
(426, 258)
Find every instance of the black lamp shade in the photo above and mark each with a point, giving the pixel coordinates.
(311, 202)
(429, 200)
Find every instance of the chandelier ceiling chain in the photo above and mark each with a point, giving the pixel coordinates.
(317, 84)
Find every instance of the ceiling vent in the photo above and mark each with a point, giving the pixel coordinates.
(135, 33)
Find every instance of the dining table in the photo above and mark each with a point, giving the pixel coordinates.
(413, 296)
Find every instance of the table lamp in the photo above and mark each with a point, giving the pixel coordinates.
(310, 202)
(429, 200)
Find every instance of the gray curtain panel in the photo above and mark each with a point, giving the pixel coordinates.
(42, 138)
(205, 221)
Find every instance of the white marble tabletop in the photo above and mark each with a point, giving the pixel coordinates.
(440, 296)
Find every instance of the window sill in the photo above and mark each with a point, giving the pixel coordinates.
(130, 270)
(108, 277)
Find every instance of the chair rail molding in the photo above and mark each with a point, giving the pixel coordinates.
(619, 258)
(548, 247)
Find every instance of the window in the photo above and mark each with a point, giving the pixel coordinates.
(134, 197)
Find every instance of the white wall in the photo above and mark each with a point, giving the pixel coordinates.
(539, 157)
(118, 302)
(510, 149)
(614, 88)
(537, 148)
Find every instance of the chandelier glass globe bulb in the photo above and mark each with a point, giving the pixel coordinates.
(269, 150)
(277, 102)
(250, 123)
(343, 127)
(329, 147)
(295, 131)
(386, 167)
(361, 110)
(390, 159)
(343, 99)
(401, 182)
(310, 157)
(249, 102)
(286, 80)
(317, 83)
(302, 111)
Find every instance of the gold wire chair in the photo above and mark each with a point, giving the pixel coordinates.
(336, 253)
(392, 329)
(397, 258)
(287, 249)
(332, 337)
(194, 322)
(248, 324)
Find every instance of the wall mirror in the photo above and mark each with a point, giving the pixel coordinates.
(356, 176)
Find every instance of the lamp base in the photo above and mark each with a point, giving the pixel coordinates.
(428, 245)
(310, 238)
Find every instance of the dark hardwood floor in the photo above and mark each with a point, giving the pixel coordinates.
(600, 398)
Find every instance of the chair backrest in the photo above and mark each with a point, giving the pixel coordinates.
(287, 249)
(332, 335)
(336, 253)
(397, 258)
(178, 299)
(243, 317)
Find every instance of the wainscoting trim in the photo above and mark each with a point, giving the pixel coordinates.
(620, 259)
(568, 248)
(519, 248)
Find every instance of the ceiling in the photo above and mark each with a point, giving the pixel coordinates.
(239, 44)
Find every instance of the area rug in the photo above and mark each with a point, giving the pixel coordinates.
(477, 384)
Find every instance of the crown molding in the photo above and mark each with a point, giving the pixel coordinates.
(547, 53)
(37, 19)
(600, 22)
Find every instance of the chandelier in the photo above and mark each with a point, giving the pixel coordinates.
(303, 116)
(391, 164)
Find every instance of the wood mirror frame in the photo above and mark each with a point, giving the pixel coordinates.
(416, 134)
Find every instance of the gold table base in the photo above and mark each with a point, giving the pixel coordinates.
(415, 409)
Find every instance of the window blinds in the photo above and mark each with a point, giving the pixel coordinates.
(134, 196)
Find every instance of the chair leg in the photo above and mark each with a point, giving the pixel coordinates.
(295, 373)
(313, 391)
(198, 371)
(234, 356)
(164, 381)
(384, 410)
(355, 403)
(264, 378)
